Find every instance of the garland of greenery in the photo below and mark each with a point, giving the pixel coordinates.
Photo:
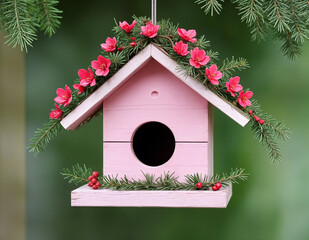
(266, 131)
(168, 181)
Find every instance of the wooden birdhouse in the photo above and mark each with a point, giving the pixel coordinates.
(155, 120)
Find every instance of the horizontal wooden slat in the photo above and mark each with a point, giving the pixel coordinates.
(188, 158)
(87, 197)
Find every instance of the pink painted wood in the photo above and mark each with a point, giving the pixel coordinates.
(85, 196)
(120, 159)
(154, 94)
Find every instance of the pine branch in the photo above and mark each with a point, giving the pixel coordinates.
(77, 175)
(166, 181)
(210, 6)
(287, 20)
(20, 19)
(268, 132)
(17, 23)
(48, 16)
(42, 136)
(229, 66)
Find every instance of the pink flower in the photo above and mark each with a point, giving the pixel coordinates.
(86, 78)
(213, 74)
(187, 36)
(55, 114)
(150, 30)
(126, 27)
(232, 86)
(181, 48)
(243, 98)
(64, 96)
(79, 87)
(110, 44)
(101, 66)
(198, 58)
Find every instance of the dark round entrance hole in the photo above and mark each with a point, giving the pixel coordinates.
(153, 143)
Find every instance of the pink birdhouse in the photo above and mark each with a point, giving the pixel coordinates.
(155, 120)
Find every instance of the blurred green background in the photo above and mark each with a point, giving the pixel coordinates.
(272, 204)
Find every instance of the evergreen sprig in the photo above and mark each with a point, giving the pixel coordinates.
(77, 175)
(266, 133)
(43, 136)
(287, 20)
(166, 181)
(20, 20)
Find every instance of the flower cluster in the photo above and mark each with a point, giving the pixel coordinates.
(198, 59)
(101, 66)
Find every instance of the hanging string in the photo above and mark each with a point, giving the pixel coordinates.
(154, 12)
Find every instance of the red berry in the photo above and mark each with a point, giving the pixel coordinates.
(250, 112)
(256, 118)
(120, 49)
(90, 184)
(214, 188)
(218, 185)
(90, 177)
(199, 185)
(95, 174)
(98, 184)
(94, 187)
(262, 121)
(132, 44)
(94, 180)
(133, 38)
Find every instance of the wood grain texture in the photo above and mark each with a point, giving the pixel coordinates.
(188, 158)
(178, 107)
(94, 101)
(87, 197)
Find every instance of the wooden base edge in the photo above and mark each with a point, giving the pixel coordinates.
(85, 196)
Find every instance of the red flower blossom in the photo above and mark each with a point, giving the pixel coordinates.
(55, 114)
(232, 86)
(110, 45)
(126, 27)
(198, 58)
(150, 30)
(243, 98)
(86, 78)
(79, 87)
(187, 36)
(101, 66)
(64, 96)
(181, 48)
(213, 74)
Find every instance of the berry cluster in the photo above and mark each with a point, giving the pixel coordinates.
(256, 118)
(215, 187)
(93, 181)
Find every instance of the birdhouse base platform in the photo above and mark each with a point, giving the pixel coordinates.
(85, 196)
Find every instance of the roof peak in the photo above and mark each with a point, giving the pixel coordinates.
(94, 102)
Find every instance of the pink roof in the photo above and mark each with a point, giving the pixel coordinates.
(94, 102)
